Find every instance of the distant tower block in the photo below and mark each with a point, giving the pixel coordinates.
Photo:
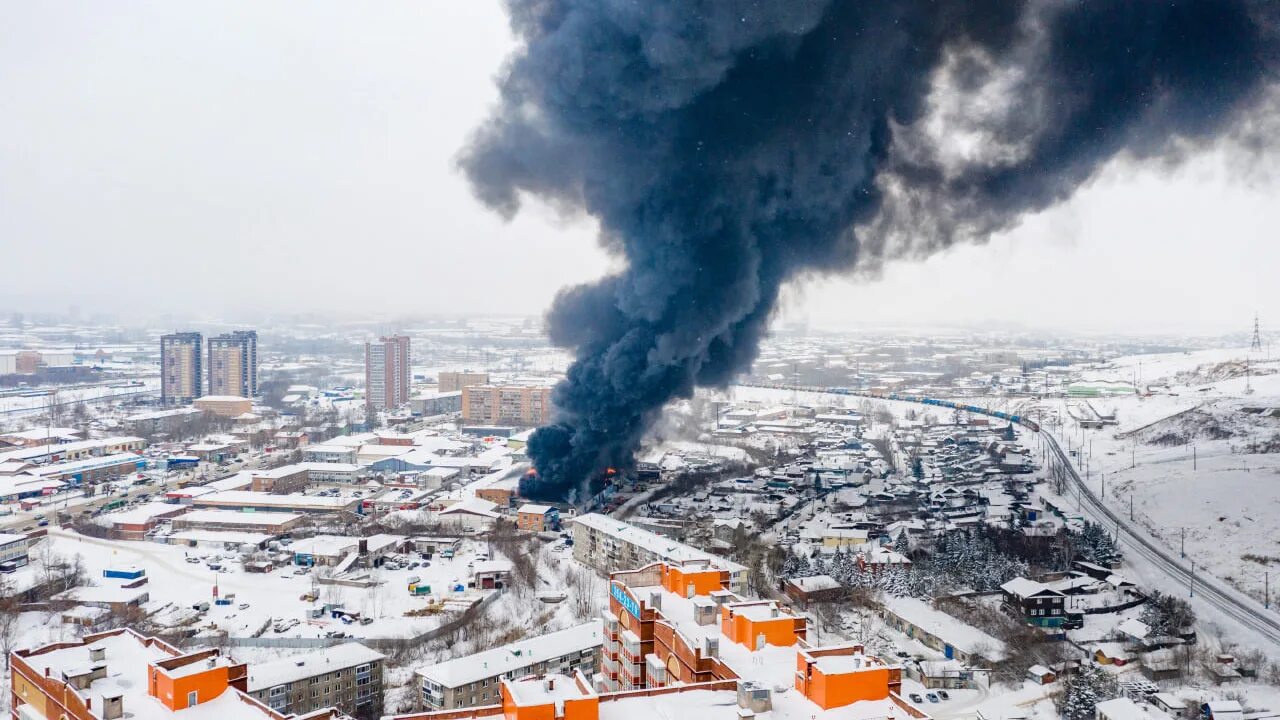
(1256, 343)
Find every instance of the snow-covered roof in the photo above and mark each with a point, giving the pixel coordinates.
(220, 536)
(815, 583)
(325, 545)
(472, 506)
(1025, 588)
(247, 498)
(41, 433)
(1121, 708)
(963, 637)
(531, 509)
(143, 513)
(1134, 628)
(515, 657)
(663, 547)
(298, 667)
(492, 566)
(231, 517)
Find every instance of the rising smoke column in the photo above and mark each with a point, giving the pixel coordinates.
(727, 146)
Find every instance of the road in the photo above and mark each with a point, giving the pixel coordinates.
(1208, 589)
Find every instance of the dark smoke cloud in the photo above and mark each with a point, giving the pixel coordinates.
(726, 146)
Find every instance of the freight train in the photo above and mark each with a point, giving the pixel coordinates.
(923, 400)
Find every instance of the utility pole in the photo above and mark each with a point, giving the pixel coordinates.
(1183, 551)
(1192, 578)
(1131, 506)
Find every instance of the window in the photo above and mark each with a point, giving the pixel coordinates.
(193, 698)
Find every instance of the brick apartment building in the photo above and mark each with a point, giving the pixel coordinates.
(506, 404)
(346, 676)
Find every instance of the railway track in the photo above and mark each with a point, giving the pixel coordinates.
(1207, 588)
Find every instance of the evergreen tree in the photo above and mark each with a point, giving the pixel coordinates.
(1084, 690)
(902, 544)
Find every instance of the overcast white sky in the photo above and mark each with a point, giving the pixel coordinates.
(249, 157)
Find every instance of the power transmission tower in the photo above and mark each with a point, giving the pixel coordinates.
(1256, 343)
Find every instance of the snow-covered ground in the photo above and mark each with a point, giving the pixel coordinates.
(274, 596)
(14, 406)
(1192, 458)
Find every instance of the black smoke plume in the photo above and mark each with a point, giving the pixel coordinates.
(727, 146)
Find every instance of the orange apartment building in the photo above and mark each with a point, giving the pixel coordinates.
(644, 647)
(121, 673)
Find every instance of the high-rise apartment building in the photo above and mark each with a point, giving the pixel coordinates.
(451, 381)
(181, 379)
(386, 372)
(233, 364)
(506, 404)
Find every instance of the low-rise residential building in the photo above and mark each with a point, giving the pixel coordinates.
(1035, 602)
(815, 588)
(122, 674)
(606, 544)
(953, 638)
(346, 676)
(13, 550)
(475, 679)
(537, 518)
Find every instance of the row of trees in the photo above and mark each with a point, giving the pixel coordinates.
(969, 559)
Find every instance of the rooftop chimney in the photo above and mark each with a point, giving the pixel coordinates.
(97, 653)
(112, 707)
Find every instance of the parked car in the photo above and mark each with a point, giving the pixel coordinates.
(915, 698)
(933, 697)
(943, 694)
